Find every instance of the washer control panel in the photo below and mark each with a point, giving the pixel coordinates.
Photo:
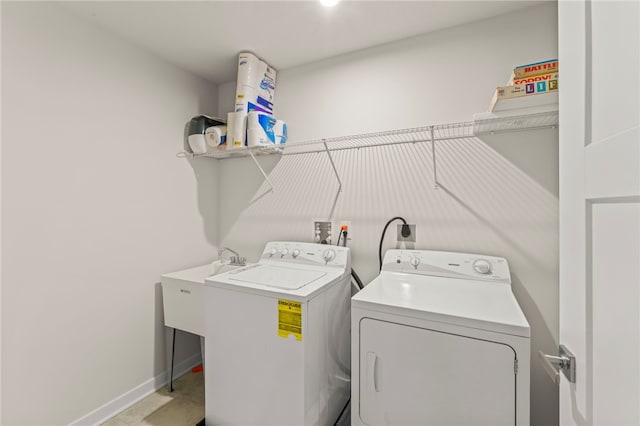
(307, 253)
(448, 264)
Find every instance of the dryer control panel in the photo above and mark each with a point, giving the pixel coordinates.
(448, 264)
(307, 254)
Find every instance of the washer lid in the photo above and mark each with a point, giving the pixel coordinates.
(276, 276)
(482, 305)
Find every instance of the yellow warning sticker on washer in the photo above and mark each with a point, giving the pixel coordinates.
(289, 318)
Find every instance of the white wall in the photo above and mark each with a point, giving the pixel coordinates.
(0, 218)
(499, 195)
(95, 207)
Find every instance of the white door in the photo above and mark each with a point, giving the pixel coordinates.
(599, 52)
(403, 381)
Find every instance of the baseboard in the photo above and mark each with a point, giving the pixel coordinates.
(127, 399)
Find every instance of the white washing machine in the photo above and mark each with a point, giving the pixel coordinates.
(439, 339)
(277, 338)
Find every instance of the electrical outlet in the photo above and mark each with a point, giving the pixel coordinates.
(339, 225)
(322, 231)
(411, 238)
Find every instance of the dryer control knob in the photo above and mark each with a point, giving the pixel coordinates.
(328, 255)
(273, 252)
(414, 261)
(482, 266)
(284, 252)
(295, 253)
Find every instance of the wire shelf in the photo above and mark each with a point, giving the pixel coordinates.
(426, 133)
(397, 137)
(431, 134)
(244, 152)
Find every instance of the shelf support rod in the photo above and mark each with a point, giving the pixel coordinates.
(266, 178)
(326, 148)
(433, 156)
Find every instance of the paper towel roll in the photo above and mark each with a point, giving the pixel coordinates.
(280, 132)
(260, 129)
(256, 73)
(249, 68)
(257, 119)
(216, 137)
(256, 137)
(236, 130)
(253, 120)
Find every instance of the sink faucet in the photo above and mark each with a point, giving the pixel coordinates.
(236, 259)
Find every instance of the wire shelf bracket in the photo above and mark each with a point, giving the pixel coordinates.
(333, 165)
(433, 156)
(266, 178)
(251, 152)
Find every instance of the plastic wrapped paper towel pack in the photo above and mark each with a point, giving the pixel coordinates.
(256, 84)
(265, 130)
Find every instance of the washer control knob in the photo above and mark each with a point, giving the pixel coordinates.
(273, 252)
(328, 255)
(482, 266)
(284, 252)
(414, 261)
(295, 253)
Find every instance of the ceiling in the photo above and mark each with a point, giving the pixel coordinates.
(205, 37)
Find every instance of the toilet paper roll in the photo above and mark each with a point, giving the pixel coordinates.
(216, 137)
(198, 144)
(236, 130)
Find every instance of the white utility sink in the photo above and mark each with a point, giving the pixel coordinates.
(183, 296)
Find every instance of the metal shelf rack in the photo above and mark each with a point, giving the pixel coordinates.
(425, 134)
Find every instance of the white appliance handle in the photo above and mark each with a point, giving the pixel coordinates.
(372, 380)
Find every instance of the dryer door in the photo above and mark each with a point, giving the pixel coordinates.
(411, 376)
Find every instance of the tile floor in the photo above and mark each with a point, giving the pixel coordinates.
(182, 407)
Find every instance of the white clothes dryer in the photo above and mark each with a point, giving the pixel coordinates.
(438, 338)
(277, 338)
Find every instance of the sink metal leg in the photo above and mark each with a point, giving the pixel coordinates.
(202, 349)
(173, 352)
